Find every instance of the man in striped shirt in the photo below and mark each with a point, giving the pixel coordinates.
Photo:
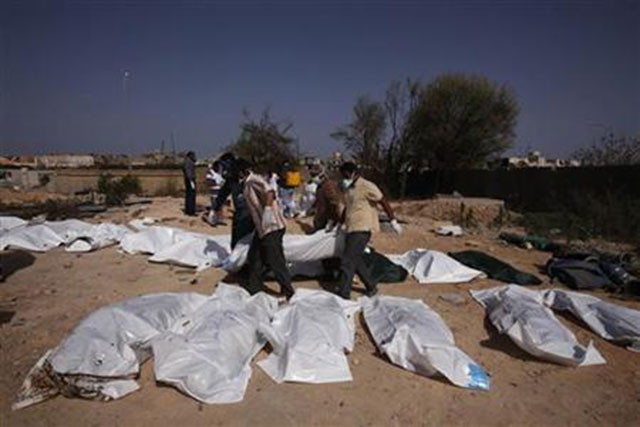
(266, 247)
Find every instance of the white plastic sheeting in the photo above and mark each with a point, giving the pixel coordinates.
(610, 321)
(35, 238)
(176, 246)
(201, 251)
(78, 236)
(415, 337)
(449, 230)
(201, 344)
(434, 267)
(310, 338)
(522, 315)
(207, 354)
(298, 248)
(9, 222)
(96, 237)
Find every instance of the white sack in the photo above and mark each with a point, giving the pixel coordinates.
(521, 314)
(310, 338)
(434, 267)
(69, 229)
(35, 238)
(96, 237)
(150, 240)
(114, 340)
(195, 251)
(610, 321)
(415, 337)
(208, 354)
(143, 223)
(202, 345)
(9, 222)
(298, 248)
(449, 230)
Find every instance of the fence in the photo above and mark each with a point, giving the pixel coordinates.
(531, 190)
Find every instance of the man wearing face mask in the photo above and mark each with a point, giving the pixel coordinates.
(360, 218)
(266, 247)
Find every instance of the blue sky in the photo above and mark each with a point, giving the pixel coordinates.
(194, 65)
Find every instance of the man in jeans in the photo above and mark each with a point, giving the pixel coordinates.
(360, 218)
(266, 247)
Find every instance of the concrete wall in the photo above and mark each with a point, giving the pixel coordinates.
(23, 178)
(153, 181)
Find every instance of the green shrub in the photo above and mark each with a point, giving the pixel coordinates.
(117, 190)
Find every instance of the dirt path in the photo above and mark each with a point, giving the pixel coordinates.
(57, 289)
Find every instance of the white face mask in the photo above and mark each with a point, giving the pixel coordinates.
(346, 183)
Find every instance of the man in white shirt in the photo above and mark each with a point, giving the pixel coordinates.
(266, 248)
(216, 181)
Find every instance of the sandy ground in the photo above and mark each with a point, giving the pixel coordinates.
(51, 292)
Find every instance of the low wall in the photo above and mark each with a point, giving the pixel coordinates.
(153, 181)
(532, 190)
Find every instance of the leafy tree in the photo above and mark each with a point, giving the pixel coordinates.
(364, 136)
(265, 141)
(611, 150)
(461, 121)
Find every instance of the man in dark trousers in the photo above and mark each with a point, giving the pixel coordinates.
(189, 171)
(242, 223)
(360, 219)
(266, 248)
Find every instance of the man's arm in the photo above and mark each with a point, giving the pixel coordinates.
(387, 208)
(269, 198)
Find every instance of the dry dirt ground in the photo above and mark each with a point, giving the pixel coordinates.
(54, 290)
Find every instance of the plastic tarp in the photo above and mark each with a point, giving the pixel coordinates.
(97, 237)
(449, 230)
(35, 238)
(298, 248)
(207, 355)
(201, 344)
(415, 337)
(522, 315)
(9, 222)
(310, 337)
(78, 236)
(173, 245)
(610, 321)
(434, 267)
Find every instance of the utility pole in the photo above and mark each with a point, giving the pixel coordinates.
(125, 99)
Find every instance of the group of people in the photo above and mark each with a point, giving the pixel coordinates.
(349, 202)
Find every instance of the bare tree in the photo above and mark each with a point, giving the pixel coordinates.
(401, 98)
(363, 137)
(611, 150)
